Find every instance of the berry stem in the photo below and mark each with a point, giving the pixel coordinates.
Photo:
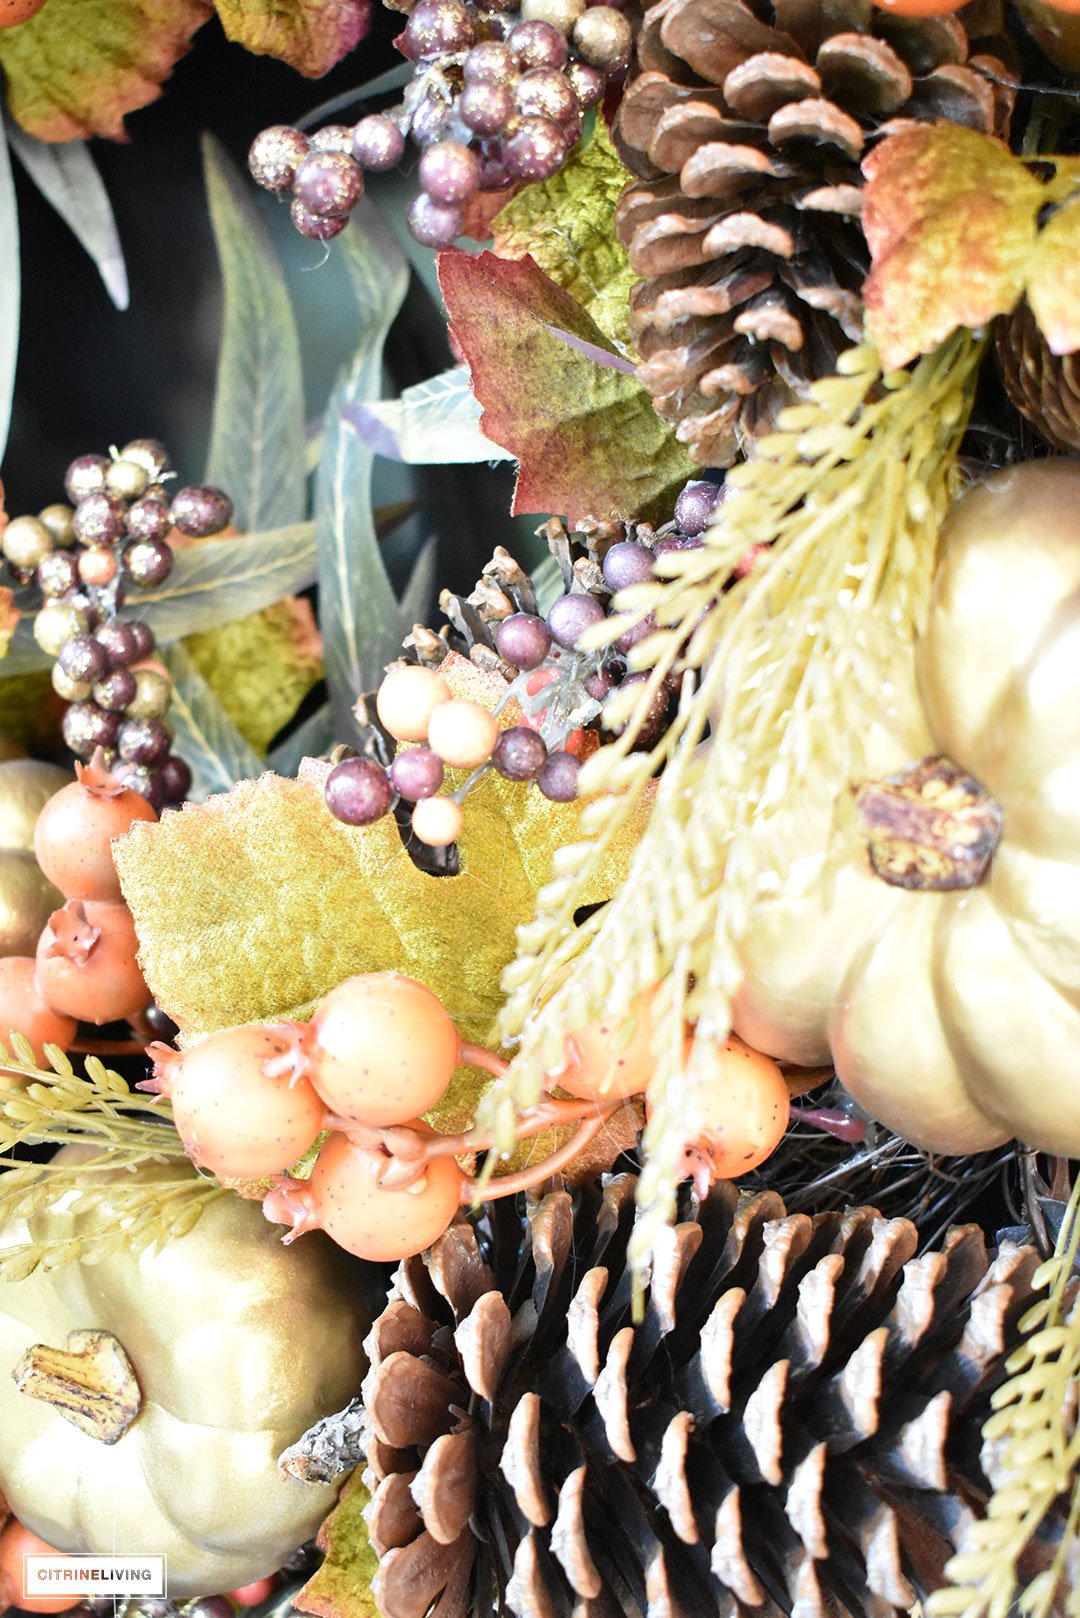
(508, 1185)
(480, 1056)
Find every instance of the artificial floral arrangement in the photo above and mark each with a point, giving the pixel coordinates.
(565, 1105)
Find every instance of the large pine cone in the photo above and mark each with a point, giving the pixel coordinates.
(747, 123)
(793, 1427)
(1044, 387)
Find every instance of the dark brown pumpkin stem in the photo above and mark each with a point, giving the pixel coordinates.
(930, 828)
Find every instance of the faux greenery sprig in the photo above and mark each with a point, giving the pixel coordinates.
(117, 1132)
(841, 512)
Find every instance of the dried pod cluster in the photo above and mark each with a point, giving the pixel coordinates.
(793, 1426)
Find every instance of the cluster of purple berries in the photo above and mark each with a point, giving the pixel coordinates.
(83, 557)
(499, 95)
(561, 688)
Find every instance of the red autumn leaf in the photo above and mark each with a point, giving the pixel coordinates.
(80, 66)
(586, 437)
(311, 35)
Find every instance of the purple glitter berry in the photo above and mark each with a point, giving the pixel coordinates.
(557, 778)
(358, 792)
(378, 144)
(417, 773)
(571, 615)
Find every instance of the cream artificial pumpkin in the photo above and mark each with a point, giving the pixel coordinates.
(954, 1016)
(238, 1345)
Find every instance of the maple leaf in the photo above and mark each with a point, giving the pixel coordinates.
(253, 905)
(341, 1588)
(958, 230)
(585, 435)
(79, 66)
(311, 35)
(567, 226)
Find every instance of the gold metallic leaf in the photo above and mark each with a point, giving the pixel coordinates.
(91, 1383)
(253, 905)
(261, 667)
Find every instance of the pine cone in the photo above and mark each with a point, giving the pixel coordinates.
(793, 1427)
(1044, 387)
(746, 125)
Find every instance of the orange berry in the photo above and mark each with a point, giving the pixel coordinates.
(437, 821)
(252, 1595)
(746, 1108)
(23, 1010)
(87, 962)
(407, 698)
(462, 733)
(240, 1101)
(13, 12)
(594, 1071)
(74, 832)
(382, 1049)
(344, 1198)
(15, 1543)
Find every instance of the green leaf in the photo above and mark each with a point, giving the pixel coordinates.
(9, 289)
(309, 740)
(206, 737)
(434, 423)
(567, 226)
(341, 1588)
(78, 67)
(586, 437)
(958, 230)
(257, 436)
(67, 177)
(358, 612)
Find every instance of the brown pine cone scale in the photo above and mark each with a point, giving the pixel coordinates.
(793, 1427)
(746, 128)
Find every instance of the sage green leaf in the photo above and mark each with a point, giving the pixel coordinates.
(9, 289)
(206, 737)
(358, 612)
(68, 179)
(219, 580)
(314, 737)
(211, 583)
(435, 423)
(257, 435)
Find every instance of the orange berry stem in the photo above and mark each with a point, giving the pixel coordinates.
(508, 1185)
(480, 1056)
(409, 1146)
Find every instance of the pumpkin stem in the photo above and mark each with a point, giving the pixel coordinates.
(91, 1383)
(931, 828)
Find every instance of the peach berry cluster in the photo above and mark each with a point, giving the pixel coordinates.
(86, 968)
(250, 1102)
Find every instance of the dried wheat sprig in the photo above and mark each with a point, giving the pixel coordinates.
(1035, 1448)
(117, 1132)
(848, 496)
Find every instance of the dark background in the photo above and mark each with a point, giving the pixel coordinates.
(90, 376)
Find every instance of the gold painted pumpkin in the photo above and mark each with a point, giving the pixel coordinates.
(238, 1345)
(27, 897)
(954, 1016)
